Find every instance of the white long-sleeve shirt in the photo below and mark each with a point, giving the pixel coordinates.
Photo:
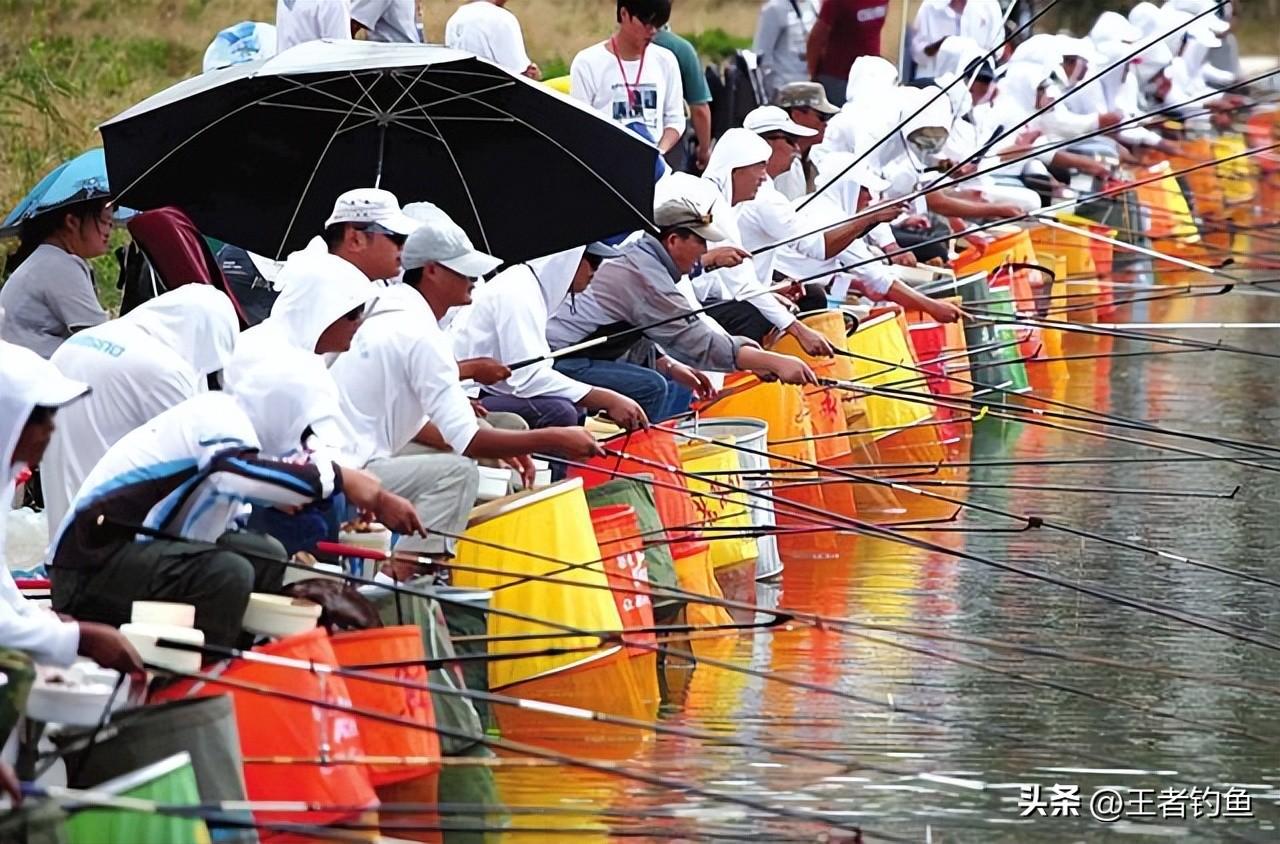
(981, 20)
(507, 321)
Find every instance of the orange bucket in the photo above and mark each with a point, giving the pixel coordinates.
(659, 445)
(391, 644)
(622, 550)
(273, 727)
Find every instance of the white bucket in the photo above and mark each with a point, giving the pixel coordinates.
(749, 434)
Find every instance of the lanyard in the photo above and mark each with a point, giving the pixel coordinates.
(631, 99)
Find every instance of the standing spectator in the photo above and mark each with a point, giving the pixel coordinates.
(386, 20)
(697, 96)
(845, 30)
(629, 83)
(50, 295)
(937, 20)
(486, 28)
(300, 21)
(782, 40)
(806, 103)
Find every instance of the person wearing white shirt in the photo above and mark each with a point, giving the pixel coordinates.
(401, 390)
(981, 20)
(739, 169)
(507, 321)
(138, 366)
(300, 21)
(32, 391)
(190, 473)
(782, 36)
(488, 29)
(389, 21)
(630, 83)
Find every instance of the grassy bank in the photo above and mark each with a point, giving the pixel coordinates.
(67, 65)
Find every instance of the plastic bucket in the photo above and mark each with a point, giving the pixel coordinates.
(882, 340)
(171, 782)
(391, 644)
(553, 524)
(750, 434)
(274, 727)
(719, 507)
(655, 445)
(204, 728)
(622, 549)
(1006, 246)
(638, 495)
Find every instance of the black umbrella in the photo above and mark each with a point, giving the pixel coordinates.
(256, 153)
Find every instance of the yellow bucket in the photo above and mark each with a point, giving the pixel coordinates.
(554, 523)
(1239, 175)
(882, 339)
(717, 507)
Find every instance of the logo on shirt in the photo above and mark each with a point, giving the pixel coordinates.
(107, 348)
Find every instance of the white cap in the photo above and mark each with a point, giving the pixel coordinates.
(370, 206)
(773, 119)
(443, 241)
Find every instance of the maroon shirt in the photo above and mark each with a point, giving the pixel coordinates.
(855, 31)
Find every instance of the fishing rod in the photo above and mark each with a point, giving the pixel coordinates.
(1030, 416)
(219, 818)
(1084, 490)
(991, 54)
(1037, 151)
(528, 704)
(1013, 675)
(1095, 416)
(820, 622)
(1061, 206)
(223, 814)
(635, 775)
(983, 317)
(1034, 521)
(790, 284)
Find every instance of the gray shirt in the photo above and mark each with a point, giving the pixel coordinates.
(48, 297)
(638, 289)
(781, 40)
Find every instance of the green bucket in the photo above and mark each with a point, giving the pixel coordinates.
(203, 728)
(170, 781)
(657, 555)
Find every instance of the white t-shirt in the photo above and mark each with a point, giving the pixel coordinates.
(645, 91)
(388, 20)
(300, 21)
(489, 31)
(400, 373)
(134, 378)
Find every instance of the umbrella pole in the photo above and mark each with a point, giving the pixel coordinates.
(382, 146)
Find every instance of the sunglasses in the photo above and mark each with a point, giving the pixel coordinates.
(374, 228)
(795, 142)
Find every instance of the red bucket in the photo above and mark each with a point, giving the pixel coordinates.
(658, 445)
(622, 550)
(391, 644)
(283, 729)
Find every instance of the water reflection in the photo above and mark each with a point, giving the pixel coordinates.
(918, 723)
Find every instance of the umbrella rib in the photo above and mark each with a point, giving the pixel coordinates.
(298, 107)
(419, 107)
(195, 135)
(644, 219)
(313, 88)
(422, 132)
(475, 212)
(310, 179)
